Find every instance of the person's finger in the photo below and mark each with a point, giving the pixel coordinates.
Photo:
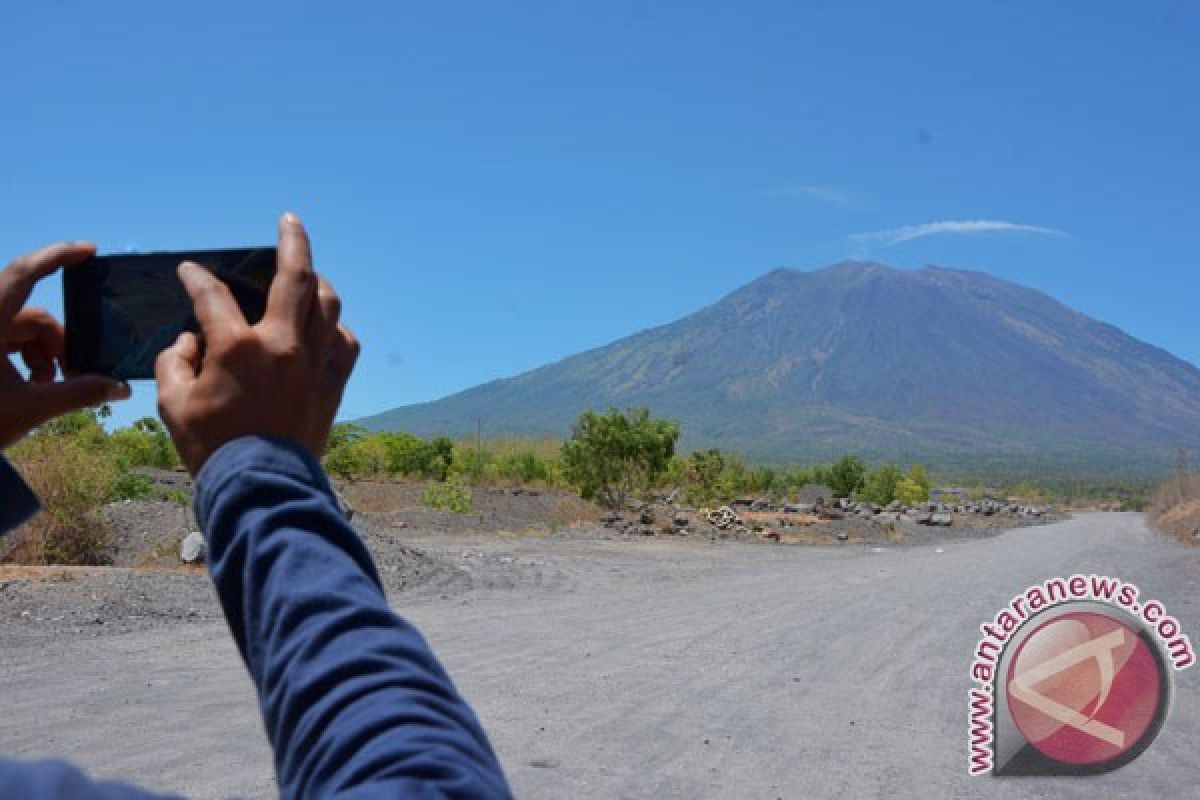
(176, 367)
(294, 287)
(36, 327)
(215, 308)
(18, 278)
(49, 400)
(323, 322)
(344, 354)
(40, 340)
(39, 363)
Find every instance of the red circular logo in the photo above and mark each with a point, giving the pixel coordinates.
(1084, 688)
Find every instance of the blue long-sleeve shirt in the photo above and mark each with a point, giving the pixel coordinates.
(353, 700)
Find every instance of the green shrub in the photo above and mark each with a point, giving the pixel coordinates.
(73, 474)
(919, 476)
(1137, 502)
(705, 478)
(131, 486)
(879, 486)
(909, 492)
(612, 456)
(449, 495)
(146, 443)
(524, 466)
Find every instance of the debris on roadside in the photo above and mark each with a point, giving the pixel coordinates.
(193, 550)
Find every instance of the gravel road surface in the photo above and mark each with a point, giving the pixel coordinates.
(658, 669)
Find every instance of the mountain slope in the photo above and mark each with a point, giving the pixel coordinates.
(953, 367)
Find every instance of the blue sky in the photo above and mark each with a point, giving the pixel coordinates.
(492, 186)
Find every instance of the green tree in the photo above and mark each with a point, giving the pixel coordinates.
(439, 457)
(703, 473)
(879, 487)
(146, 443)
(909, 492)
(919, 476)
(612, 456)
(846, 475)
(342, 456)
(83, 426)
(676, 472)
(406, 454)
(345, 433)
(412, 455)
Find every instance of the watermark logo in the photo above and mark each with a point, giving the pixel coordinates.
(1074, 677)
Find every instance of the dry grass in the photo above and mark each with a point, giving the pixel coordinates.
(73, 479)
(570, 510)
(1175, 509)
(774, 516)
(381, 496)
(547, 448)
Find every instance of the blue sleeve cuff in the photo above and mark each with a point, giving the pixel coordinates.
(266, 453)
(17, 502)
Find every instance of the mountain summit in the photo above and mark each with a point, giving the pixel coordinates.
(953, 367)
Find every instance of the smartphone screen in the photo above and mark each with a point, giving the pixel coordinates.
(123, 310)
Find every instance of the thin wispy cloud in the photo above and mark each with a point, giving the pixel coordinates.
(827, 195)
(906, 233)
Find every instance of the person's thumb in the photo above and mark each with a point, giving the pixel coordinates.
(49, 400)
(177, 365)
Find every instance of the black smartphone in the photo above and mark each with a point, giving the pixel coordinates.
(123, 310)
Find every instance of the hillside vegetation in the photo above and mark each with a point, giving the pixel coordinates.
(76, 467)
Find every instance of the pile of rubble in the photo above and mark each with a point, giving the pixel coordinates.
(937, 514)
(650, 520)
(653, 519)
(764, 518)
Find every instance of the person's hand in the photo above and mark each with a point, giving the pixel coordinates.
(39, 338)
(282, 377)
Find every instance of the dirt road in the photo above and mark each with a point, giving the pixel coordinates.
(648, 670)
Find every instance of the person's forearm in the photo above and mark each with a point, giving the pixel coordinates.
(352, 697)
(57, 780)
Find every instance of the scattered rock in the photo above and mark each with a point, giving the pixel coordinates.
(193, 549)
(724, 518)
